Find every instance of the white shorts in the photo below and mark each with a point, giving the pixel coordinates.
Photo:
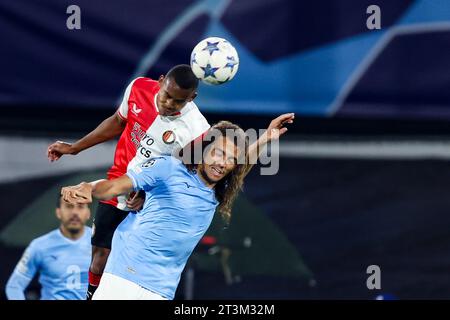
(112, 287)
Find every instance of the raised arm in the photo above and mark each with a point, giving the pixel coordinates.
(275, 129)
(107, 130)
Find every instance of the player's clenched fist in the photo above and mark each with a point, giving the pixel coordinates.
(58, 149)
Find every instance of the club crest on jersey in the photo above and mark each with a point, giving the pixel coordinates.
(168, 137)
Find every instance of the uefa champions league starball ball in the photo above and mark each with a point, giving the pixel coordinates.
(214, 60)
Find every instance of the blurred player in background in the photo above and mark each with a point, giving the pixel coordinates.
(150, 249)
(155, 118)
(61, 258)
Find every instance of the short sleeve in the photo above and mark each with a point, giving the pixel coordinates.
(150, 173)
(123, 108)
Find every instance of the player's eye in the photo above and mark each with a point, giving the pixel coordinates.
(217, 152)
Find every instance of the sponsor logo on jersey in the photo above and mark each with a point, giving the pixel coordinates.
(137, 134)
(188, 185)
(168, 137)
(135, 109)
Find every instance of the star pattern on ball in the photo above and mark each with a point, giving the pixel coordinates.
(193, 60)
(211, 47)
(231, 62)
(209, 71)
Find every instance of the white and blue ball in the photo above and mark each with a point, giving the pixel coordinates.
(214, 61)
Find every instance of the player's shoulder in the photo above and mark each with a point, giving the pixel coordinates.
(46, 239)
(146, 84)
(166, 161)
(87, 232)
(191, 110)
(194, 119)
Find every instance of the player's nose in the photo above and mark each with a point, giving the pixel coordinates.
(221, 163)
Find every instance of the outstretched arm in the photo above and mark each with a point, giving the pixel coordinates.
(100, 189)
(275, 129)
(108, 129)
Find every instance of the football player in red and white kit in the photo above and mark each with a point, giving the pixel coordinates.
(155, 118)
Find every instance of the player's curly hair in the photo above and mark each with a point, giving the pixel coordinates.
(228, 188)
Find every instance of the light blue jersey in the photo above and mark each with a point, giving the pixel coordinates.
(62, 264)
(151, 247)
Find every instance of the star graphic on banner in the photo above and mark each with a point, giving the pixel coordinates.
(209, 71)
(211, 47)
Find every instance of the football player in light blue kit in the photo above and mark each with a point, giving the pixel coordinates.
(151, 247)
(61, 257)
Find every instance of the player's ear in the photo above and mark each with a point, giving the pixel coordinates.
(193, 95)
(89, 213)
(161, 80)
(58, 213)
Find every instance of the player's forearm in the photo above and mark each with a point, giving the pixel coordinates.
(108, 189)
(103, 189)
(255, 150)
(107, 130)
(14, 293)
(15, 287)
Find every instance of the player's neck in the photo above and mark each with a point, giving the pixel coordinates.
(208, 183)
(71, 235)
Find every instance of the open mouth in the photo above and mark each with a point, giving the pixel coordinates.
(216, 171)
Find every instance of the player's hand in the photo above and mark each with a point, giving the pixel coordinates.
(58, 149)
(277, 127)
(135, 201)
(81, 193)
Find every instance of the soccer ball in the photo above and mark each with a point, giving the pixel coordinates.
(214, 61)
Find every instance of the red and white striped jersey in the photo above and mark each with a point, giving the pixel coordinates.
(147, 134)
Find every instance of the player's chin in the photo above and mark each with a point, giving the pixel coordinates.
(74, 226)
(214, 176)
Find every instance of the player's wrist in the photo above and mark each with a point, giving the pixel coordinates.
(74, 149)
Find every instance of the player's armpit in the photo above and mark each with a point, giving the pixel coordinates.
(135, 200)
(121, 121)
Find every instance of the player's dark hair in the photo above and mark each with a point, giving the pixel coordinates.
(227, 188)
(183, 76)
(58, 201)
